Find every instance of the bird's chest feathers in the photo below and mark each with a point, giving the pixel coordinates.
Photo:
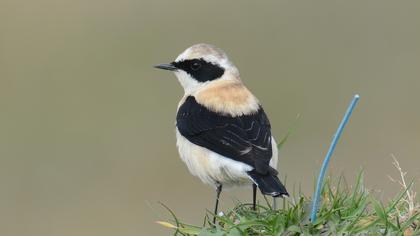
(227, 97)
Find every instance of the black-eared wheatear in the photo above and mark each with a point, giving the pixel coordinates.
(223, 134)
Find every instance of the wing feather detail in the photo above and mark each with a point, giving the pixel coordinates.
(245, 138)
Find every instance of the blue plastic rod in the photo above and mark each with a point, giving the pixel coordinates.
(315, 203)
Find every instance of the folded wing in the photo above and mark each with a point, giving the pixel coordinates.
(245, 138)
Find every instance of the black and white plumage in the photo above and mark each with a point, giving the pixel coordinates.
(245, 138)
(223, 133)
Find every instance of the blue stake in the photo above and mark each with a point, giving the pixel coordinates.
(324, 167)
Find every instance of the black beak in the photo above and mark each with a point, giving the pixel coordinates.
(166, 67)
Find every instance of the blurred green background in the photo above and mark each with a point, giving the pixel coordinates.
(87, 143)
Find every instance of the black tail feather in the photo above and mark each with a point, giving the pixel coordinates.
(268, 184)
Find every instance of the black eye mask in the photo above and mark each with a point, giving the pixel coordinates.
(200, 69)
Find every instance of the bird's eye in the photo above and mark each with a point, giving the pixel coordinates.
(195, 66)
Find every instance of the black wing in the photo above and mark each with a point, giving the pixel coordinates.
(245, 138)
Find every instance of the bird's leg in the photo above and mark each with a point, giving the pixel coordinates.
(254, 197)
(274, 203)
(218, 191)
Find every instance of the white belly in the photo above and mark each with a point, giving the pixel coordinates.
(213, 168)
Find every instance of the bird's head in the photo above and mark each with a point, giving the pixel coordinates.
(200, 65)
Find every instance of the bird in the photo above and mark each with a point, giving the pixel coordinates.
(222, 132)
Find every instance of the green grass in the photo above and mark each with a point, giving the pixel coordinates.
(343, 211)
